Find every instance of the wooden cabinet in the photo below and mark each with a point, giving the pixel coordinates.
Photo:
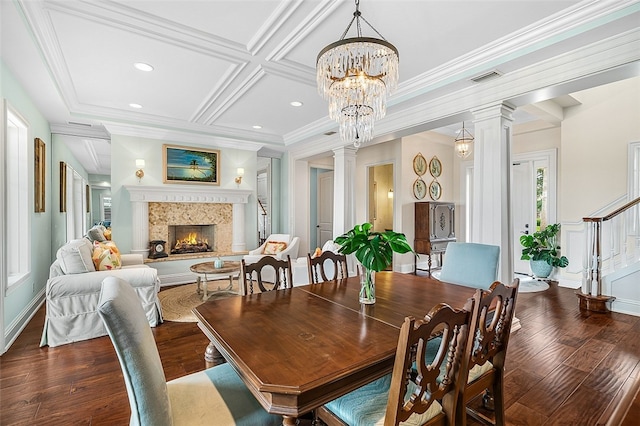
(434, 229)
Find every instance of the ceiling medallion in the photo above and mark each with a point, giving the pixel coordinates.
(355, 75)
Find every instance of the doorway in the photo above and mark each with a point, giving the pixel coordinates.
(533, 198)
(380, 191)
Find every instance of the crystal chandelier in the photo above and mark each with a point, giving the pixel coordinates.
(355, 75)
(463, 143)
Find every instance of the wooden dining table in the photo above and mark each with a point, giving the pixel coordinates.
(299, 348)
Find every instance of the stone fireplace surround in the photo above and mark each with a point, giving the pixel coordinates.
(142, 195)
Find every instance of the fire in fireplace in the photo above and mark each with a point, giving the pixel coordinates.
(191, 238)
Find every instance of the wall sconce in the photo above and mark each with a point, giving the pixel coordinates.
(390, 193)
(240, 173)
(140, 171)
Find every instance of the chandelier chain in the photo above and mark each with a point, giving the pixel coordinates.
(357, 15)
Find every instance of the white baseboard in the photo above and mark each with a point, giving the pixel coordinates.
(563, 282)
(175, 279)
(626, 306)
(20, 322)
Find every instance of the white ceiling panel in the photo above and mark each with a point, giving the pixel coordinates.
(223, 66)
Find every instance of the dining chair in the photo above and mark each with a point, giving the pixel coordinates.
(320, 267)
(470, 264)
(486, 351)
(213, 396)
(423, 387)
(268, 272)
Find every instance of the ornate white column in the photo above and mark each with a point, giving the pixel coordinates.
(344, 213)
(238, 243)
(491, 221)
(140, 228)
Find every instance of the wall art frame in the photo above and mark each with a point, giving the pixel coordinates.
(183, 164)
(39, 178)
(63, 187)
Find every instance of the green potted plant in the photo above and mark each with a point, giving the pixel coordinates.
(374, 251)
(542, 251)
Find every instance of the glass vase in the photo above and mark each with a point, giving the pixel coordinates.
(367, 286)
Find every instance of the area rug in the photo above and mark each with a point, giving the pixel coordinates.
(177, 302)
(531, 285)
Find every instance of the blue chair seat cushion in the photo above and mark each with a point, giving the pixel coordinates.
(216, 396)
(367, 406)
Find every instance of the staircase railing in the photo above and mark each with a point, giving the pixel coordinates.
(621, 245)
(262, 232)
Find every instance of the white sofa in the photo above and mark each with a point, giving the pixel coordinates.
(300, 266)
(73, 290)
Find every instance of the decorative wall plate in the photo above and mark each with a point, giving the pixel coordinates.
(435, 167)
(419, 189)
(419, 164)
(435, 190)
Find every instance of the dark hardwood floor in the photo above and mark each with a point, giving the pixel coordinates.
(564, 367)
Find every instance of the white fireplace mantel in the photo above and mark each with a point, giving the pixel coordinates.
(187, 194)
(142, 195)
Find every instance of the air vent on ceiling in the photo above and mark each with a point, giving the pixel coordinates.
(330, 133)
(486, 76)
(75, 123)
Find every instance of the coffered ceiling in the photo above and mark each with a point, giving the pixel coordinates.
(220, 68)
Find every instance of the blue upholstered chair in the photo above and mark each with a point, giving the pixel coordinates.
(429, 396)
(470, 265)
(214, 396)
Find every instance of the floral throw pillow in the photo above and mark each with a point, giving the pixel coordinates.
(106, 256)
(274, 247)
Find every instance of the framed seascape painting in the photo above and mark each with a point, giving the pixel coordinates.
(191, 165)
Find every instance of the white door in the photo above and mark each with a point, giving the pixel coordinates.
(524, 210)
(325, 207)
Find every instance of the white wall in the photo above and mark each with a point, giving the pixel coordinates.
(593, 154)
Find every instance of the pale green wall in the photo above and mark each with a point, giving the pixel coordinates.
(21, 301)
(58, 219)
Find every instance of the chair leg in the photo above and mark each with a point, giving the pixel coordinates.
(498, 401)
(488, 400)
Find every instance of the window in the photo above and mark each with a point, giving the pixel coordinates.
(18, 216)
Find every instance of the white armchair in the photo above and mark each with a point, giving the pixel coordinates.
(291, 248)
(273, 247)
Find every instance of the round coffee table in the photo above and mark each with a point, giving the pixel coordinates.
(229, 269)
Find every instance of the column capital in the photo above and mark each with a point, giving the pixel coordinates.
(487, 112)
(346, 151)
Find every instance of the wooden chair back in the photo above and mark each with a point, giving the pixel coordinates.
(269, 273)
(437, 362)
(486, 350)
(316, 266)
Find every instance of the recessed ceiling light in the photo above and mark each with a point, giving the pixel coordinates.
(296, 103)
(257, 127)
(135, 105)
(143, 67)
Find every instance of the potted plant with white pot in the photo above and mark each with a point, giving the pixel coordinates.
(542, 251)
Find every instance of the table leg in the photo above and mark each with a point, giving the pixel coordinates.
(205, 286)
(212, 357)
(289, 421)
(198, 290)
